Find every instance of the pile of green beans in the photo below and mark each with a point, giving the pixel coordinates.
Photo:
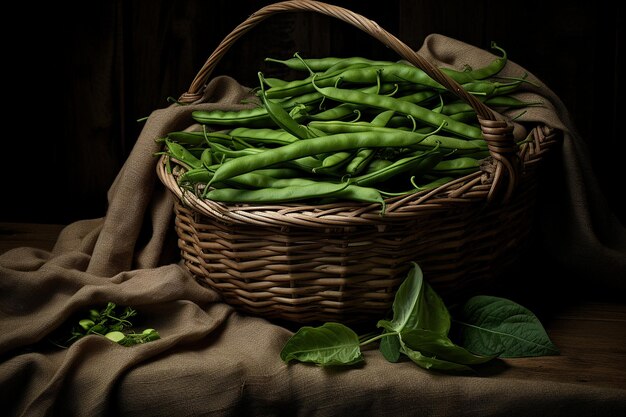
(348, 129)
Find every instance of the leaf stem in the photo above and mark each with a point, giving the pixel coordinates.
(375, 338)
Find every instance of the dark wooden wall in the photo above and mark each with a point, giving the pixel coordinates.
(78, 76)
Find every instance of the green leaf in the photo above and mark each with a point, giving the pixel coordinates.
(116, 337)
(86, 324)
(390, 348)
(433, 314)
(497, 326)
(330, 344)
(427, 362)
(441, 347)
(417, 306)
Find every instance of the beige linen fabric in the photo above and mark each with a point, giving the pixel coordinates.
(212, 360)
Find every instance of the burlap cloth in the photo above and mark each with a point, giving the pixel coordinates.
(214, 361)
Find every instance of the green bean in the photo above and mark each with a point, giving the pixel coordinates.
(265, 165)
(180, 153)
(403, 107)
(196, 151)
(276, 195)
(493, 68)
(256, 179)
(282, 118)
(431, 185)
(382, 118)
(306, 163)
(198, 138)
(324, 64)
(391, 74)
(315, 146)
(418, 162)
(336, 159)
(274, 82)
(256, 116)
(360, 161)
(464, 116)
(446, 143)
(196, 175)
(304, 99)
(408, 123)
(419, 96)
(274, 177)
(377, 165)
(332, 127)
(279, 173)
(333, 63)
(219, 149)
(349, 64)
(509, 101)
(491, 88)
(315, 190)
(458, 166)
(206, 158)
(188, 138)
(263, 135)
(343, 110)
(440, 106)
(476, 155)
(363, 194)
(456, 107)
(332, 162)
(338, 112)
(496, 101)
(301, 86)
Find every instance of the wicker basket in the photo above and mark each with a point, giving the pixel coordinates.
(343, 262)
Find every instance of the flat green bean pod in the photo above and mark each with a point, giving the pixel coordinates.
(256, 116)
(263, 135)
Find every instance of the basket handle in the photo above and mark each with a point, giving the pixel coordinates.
(497, 133)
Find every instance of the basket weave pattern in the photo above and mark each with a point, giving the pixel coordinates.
(344, 261)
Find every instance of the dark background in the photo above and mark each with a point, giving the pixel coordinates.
(78, 75)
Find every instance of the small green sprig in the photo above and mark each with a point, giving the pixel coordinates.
(114, 326)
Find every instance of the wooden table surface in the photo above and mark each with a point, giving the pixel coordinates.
(590, 334)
